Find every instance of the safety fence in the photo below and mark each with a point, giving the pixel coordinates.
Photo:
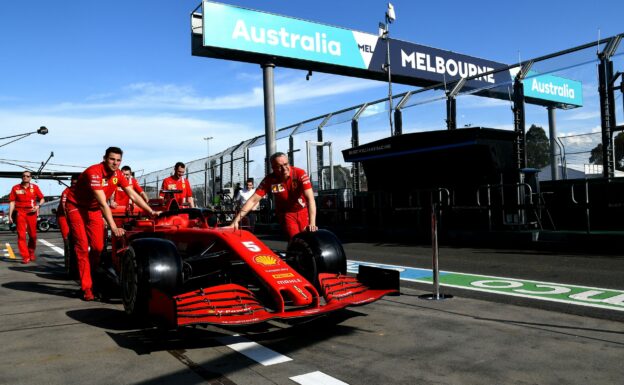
(316, 144)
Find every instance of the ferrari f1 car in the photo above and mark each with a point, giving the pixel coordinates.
(182, 269)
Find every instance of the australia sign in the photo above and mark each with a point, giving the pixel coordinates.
(235, 33)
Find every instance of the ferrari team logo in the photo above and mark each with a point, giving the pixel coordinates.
(266, 260)
(294, 184)
(114, 180)
(277, 188)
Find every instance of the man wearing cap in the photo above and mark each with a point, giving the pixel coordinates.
(24, 200)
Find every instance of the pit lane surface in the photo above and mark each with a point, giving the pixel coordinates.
(50, 336)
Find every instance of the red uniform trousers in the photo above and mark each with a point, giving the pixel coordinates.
(294, 222)
(26, 221)
(87, 230)
(63, 226)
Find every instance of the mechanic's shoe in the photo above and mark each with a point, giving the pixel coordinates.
(88, 295)
(32, 258)
(25, 261)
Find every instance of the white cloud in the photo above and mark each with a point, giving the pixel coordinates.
(150, 142)
(171, 97)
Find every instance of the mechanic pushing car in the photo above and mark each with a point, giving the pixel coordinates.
(25, 199)
(87, 204)
(293, 193)
(120, 198)
(178, 182)
(61, 217)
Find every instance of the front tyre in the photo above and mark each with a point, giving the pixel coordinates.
(316, 252)
(148, 263)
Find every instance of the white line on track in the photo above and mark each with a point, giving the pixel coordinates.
(256, 352)
(52, 246)
(317, 378)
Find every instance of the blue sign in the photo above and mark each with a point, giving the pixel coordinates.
(231, 32)
(242, 29)
(553, 88)
(227, 27)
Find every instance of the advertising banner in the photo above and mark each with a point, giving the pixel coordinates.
(236, 33)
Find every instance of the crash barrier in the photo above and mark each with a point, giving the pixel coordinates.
(588, 205)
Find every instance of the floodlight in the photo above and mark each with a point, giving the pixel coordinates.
(42, 130)
(390, 15)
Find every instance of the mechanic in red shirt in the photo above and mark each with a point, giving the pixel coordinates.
(25, 199)
(294, 198)
(61, 218)
(87, 204)
(120, 198)
(178, 182)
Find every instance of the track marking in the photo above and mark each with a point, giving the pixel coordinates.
(256, 352)
(545, 291)
(52, 246)
(10, 252)
(316, 378)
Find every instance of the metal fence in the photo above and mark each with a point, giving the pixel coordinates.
(316, 144)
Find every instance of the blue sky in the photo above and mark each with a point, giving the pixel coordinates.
(102, 73)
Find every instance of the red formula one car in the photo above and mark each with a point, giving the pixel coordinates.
(180, 269)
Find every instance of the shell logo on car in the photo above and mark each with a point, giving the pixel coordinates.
(266, 260)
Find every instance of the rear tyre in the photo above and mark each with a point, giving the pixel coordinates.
(148, 263)
(312, 253)
(43, 226)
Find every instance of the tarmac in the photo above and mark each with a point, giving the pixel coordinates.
(50, 336)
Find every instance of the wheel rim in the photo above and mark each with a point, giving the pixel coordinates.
(129, 282)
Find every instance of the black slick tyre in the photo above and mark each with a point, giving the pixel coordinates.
(148, 263)
(316, 252)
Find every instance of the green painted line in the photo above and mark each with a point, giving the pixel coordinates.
(545, 291)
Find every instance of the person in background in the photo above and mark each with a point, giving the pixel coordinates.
(294, 199)
(243, 196)
(178, 182)
(61, 218)
(120, 198)
(24, 200)
(87, 206)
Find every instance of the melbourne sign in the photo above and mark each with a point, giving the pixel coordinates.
(229, 31)
(235, 33)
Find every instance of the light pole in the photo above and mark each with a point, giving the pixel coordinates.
(384, 31)
(207, 166)
(208, 139)
(41, 131)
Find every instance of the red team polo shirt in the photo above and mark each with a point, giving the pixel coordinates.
(288, 194)
(171, 183)
(121, 198)
(25, 198)
(60, 210)
(96, 177)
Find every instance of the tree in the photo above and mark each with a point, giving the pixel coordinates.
(342, 177)
(595, 156)
(537, 147)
